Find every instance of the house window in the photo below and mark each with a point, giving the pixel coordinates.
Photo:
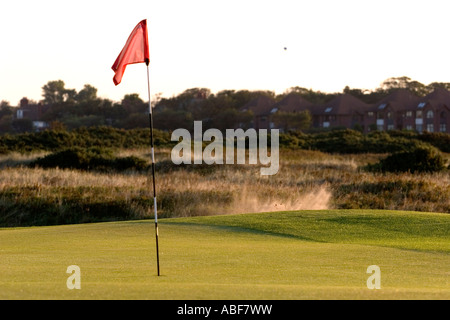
(443, 127)
(421, 105)
(389, 115)
(430, 127)
(409, 127)
(370, 114)
(430, 114)
(419, 114)
(419, 128)
(409, 114)
(390, 127)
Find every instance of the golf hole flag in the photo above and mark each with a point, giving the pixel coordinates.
(135, 51)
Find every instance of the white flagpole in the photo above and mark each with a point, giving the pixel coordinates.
(153, 166)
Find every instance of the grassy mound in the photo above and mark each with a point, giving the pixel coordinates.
(402, 229)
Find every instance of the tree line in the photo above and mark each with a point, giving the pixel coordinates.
(70, 109)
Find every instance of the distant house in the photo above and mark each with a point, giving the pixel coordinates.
(293, 102)
(343, 111)
(434, 112)
(261, 108)
(400, 110)
(394, 112)
(34, 112)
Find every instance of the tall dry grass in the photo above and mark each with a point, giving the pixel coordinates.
(306, 180)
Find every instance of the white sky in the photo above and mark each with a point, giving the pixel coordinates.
(222, 44)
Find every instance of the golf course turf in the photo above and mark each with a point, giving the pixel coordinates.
(321, 254)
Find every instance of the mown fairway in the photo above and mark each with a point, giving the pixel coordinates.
(283, 255)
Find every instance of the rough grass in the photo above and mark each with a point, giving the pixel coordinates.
(285, 255)
(306, 180)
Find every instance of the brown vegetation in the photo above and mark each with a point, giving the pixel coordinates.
(306, 180)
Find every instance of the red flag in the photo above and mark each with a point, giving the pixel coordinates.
(135, 51)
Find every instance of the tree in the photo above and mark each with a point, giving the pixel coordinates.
(435, 85)
(245, 119)
(135, 120)
(6, 124)
(297, 121)
(169, 120)
(404, 82)
(316, 97)
(69, 95)
(5, 109)
(395, 83)
(133, 104)
(54, 92)
(226, 119)
(4, 104)
(87, 94)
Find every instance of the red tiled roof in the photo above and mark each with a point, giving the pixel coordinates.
(439, 97)
(342, 104)
(260, 105)
(293, 103)
(400, 99)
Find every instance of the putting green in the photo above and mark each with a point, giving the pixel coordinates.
(283, 255)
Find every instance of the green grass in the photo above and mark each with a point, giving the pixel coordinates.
(283, 255)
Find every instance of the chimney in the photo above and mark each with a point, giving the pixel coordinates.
(23, 102)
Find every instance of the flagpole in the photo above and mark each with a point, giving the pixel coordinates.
(153, 166)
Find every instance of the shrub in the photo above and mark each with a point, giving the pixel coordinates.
(393, 192)
(440, 140)
(94, 158)
(421, 159)
(337, 141)
(127, 163)
(351, 141)
(289, 141)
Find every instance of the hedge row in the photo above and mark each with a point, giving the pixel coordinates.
(350, 141)
(334, 141)
(103, 136)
